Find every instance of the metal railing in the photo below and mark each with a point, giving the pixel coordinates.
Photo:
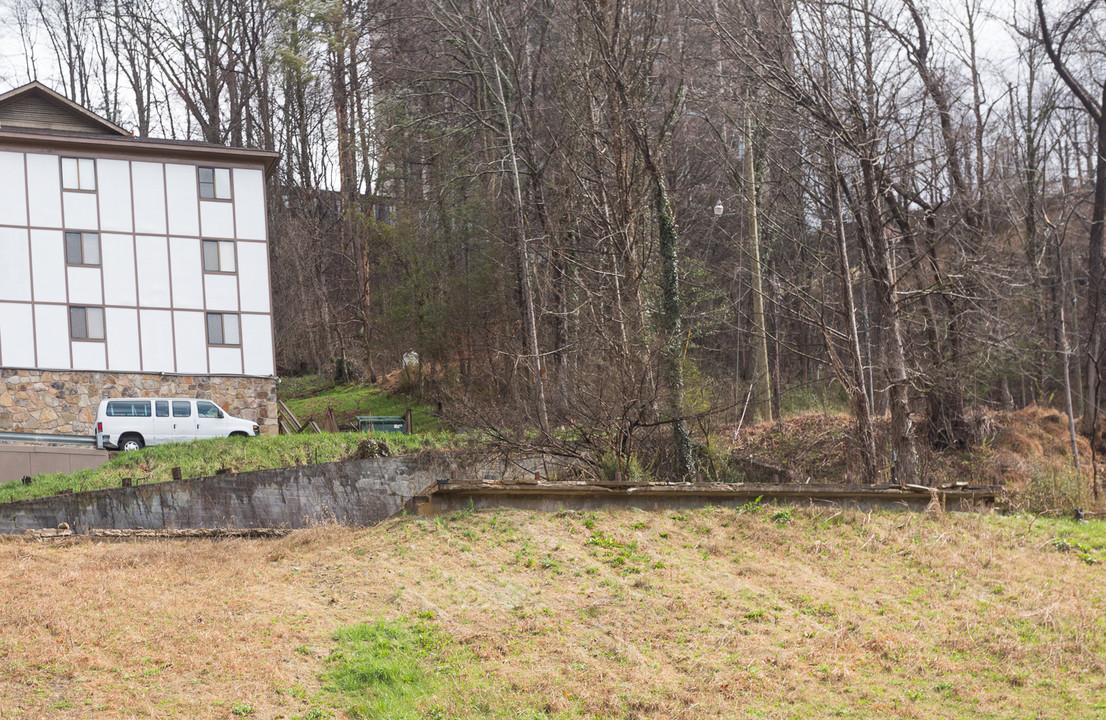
(48, 438)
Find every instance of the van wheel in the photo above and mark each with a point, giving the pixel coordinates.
(238, 433)
(131, 441)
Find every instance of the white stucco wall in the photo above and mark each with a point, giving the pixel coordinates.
(150, 280)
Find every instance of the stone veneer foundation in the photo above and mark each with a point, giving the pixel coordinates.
(65, 401)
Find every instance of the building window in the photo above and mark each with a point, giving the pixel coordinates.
(78, 173)
(215, 183)
(219, 256)
(82, 248)
(222, 329)
(86, 323)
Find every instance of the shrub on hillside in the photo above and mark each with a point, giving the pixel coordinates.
(1052, 489)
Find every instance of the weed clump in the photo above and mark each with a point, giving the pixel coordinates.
(1051, 490)
(370, 447)
(630, 467)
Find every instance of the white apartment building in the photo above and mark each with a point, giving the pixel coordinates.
(128, 267)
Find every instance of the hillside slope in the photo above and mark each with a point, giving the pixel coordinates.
(718, 613)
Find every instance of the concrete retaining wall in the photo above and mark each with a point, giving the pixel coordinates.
(351, 492)
(17, 461)
(555, 497)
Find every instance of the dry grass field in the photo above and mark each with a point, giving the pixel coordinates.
(719, 613)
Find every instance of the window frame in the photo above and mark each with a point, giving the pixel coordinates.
(83, 235)
(79, 187)
(116, 404)
(219, 256)
(87, 338)
(215, 184)
(222, 329)
(218, 410)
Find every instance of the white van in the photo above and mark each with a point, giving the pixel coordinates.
(133, 423)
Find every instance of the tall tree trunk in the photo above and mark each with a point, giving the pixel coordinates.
(522, 245)
(673, 324)
(762, 377)
(1065, 355)
(858, 394)
(1096, 284)
(904, 466)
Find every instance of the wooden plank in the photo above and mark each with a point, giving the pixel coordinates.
(293, 422)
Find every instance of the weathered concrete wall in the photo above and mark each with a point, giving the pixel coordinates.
(555, 497)
(351, 492)
(65, 401)
(17, 461)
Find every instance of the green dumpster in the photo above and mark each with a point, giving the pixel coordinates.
(381, 423)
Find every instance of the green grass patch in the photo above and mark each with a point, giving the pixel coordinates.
(204, 457)
(303, 386)
(384, 669)
(350, 400)
(410, 670)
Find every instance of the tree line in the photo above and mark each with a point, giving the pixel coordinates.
(620, 227)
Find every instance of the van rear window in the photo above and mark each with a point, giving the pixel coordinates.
(129, 408)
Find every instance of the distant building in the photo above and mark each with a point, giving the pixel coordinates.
(128, 267)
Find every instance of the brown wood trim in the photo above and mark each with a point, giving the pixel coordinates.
(252, 313)
(68, 319)
(134, 262)
(125, 232)
(169, 264)
(237, 265)
(100, 245)
(130, 148)
(268, 266)
(30, 256)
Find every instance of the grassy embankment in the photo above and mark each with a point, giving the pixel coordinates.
(762, 612)
(308, 398)
(203, 458)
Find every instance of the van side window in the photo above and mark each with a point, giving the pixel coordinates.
(128, 408)
(162, 408)
(182, 408)
(205, 409)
